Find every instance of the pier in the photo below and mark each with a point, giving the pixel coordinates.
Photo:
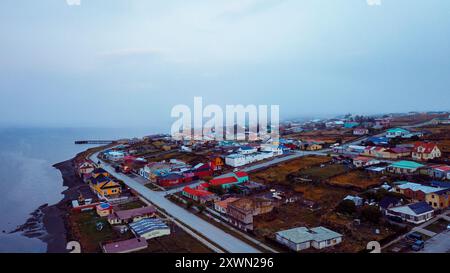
(94, 141)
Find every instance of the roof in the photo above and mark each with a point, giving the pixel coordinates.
(387, 201)
(417, 187)
(171, 176)
(394, 130)
(247, 148)
(441, 184)
(128, 214)
(224, 203)
(125, 246)
(427, 146)
(400, 150)
(147, 225)
(223, 181)
(99, 171)
(303, 234)
(442, 168)
(241, 174)
(363, 158)
(421, 207)
(404, 164)
(197, 192)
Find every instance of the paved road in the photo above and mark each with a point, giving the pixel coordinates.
(214, 234)
(438, 244)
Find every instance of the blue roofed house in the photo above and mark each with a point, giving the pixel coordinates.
(149, 228)
(350, 125)
(378, 140)
(415, 213)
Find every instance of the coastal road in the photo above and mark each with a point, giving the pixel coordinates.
(211, 232)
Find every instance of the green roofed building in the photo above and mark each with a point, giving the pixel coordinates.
(303, 238)
(396, 132)
(404, 167)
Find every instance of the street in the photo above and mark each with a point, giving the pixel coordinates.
(214, 234)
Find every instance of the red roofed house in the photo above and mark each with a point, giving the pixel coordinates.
(425, 151)
(440, 172)
(224, 182)
(227, 182)
(199, 194)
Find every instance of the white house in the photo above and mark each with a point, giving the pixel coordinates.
(114, 155)
(303, 238)
(237, 160)
(416, 213)
(358, 201)
(275, 149)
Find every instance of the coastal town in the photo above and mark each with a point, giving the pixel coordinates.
(326, 185)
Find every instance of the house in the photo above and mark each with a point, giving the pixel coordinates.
(237, 159)
(425, 151)
(98, 172)
(126, 246)
(275, 149)
(360, 131)
(443, 120)
(414, 191)
(381, 123)
(416, 213)
(240, 212)
(396, 132)
(439, 199)
(85, 167)
(358, 201)
(104, 209)
(107, 188)
(247, 150)
(216, 163)
(149, 228)
(404, 167)
(233, 180)
(362, 161)
(301, 238)
(311, 146)
(388, 202)
(378, 141)
(114, 155)
(350, 125)
(132, 215)
(199, 194)
(170, 180)
(387, 153)
(221, 206)
(440, 172)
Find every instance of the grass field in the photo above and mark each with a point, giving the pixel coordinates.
(357, 178)
(278, 174)
(322, 173)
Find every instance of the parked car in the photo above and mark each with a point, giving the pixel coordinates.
(418, 245)
(414, 236)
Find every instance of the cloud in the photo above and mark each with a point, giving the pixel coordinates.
(73, 2)
(373, 2)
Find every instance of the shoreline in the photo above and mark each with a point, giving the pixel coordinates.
(49, 223)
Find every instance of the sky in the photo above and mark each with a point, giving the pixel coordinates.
(108, 63)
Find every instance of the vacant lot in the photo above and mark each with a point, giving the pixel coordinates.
(328, 136)
(279, 174)
(357, 179)
(322, 172)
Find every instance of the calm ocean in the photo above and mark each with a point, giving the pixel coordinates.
(28, 180)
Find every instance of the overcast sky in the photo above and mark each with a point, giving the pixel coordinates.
(128, 62)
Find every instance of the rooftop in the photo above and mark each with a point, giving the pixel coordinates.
(125, 246)
(147, 225)
(303, 234)
(406, 164)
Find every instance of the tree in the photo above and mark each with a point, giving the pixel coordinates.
(371, 214)
(346, 207)
(189, 204)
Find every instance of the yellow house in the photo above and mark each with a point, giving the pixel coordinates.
(439, 199)
(314, 147)
(107, 189)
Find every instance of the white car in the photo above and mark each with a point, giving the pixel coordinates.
(448, 227)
